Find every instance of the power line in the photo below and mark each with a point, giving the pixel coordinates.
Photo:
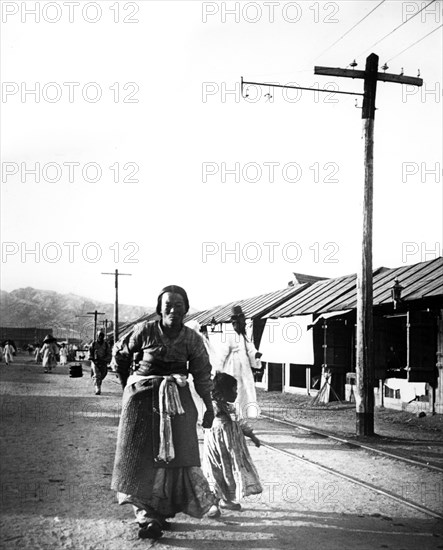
(396, 28)
(348, 31)
(416, 42)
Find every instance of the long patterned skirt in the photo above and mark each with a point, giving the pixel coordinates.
(139, 479)
(227, 463)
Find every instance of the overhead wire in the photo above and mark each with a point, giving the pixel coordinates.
(416, 42)
(396, 28)
(349, 30)
(336, 42)
(381, 39)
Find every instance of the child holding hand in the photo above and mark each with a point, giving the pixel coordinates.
(227, 463)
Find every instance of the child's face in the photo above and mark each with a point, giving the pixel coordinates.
(231, 394)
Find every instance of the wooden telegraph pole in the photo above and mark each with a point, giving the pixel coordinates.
(116, 275)
(96, 314)
(364, 392)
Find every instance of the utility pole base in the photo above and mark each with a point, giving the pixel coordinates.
(365, 423)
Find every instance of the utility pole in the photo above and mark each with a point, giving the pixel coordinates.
(116, 275)
(95, 313)
(364, 390)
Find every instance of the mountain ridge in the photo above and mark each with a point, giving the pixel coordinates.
(30, 307)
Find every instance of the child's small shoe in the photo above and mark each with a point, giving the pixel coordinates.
(214, 512)
(230, 505)
(166, 525)
(151, 530)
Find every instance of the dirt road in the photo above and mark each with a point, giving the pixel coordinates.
(57, 450)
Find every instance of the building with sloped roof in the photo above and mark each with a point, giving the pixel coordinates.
(307, 333)
(408, 336)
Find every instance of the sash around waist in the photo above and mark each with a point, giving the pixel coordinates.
(161, 368)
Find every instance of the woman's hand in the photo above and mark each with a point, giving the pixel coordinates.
(113, 365)
(208, 418)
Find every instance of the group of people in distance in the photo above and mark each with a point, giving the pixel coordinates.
(157, 466)
(50, 353)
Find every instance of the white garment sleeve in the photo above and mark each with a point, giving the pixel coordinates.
(251, 351)
(223, 353)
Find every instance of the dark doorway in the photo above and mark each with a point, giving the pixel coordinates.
(275, 377)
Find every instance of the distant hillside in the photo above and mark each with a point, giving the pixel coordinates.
(30, 307)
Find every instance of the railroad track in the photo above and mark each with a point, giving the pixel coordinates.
(339, 444)
(357, 444)
(353, 455)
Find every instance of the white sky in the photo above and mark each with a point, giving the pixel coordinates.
(173, 56)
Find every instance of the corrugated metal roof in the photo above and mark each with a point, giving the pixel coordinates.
(302, 278)
(423, 280)
(123, 329)
(253, 307)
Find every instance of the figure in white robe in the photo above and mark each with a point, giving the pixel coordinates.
(8, 352)
(49, 353)
(63, 355)
(237, 356)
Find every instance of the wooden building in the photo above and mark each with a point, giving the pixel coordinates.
(307, 332)
(408, 348)
(24, 336)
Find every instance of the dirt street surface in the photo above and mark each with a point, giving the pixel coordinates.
(57, 451)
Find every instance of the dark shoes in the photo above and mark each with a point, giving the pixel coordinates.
(230, 505)
(153, 530)
(166, 526)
